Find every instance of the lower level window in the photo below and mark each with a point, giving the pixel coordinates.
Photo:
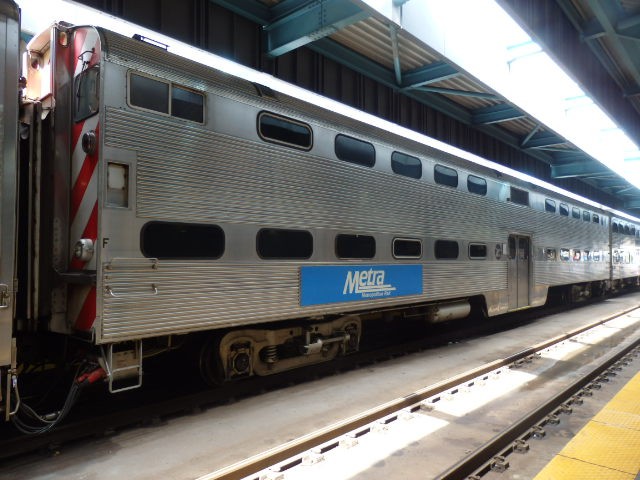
(276, 243)
(355, 246)
(446, 249)
(174, 240)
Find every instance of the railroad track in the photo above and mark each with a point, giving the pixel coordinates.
(107, 414)
(311, 456)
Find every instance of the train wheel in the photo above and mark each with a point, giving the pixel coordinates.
(211, 369)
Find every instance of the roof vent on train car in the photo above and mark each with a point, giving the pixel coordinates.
(150, 41)
(265, 91)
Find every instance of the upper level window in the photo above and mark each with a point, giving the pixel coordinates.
(445, 176)
(406, 165)
(187, 104)
(614, 227)
(586, 216)
(446, 249)
(596, 218)
(285, 131)
(521, 197)
(277, 243)
(174, 240)
(164, 97)
(407, 248)
(575, 212)
(476, 185)
(355, 151)
(355, 246)
(549, 205)
(564, 209)
(87, 93)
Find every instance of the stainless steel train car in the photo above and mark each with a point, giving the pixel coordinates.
(160, 197)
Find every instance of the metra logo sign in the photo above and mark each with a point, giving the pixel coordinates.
(369, 283)
(333, 284)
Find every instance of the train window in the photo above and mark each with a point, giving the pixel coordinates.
(577, 255)
(355, 246)
(87, 91)
(596, 256)
(355, 151)
(521, 197)
(575, 212)
(632, 230)
(626, 229)
(406, 165)
(614, 227)
(446, 249)
(476, 185)
(407, 248)
(276, 243)
(445, 176)
(565, 255)
(174, 240)
(587, 256)
(586, 216)
(285, 131)
(550, 254)
(564, 209)
(148, 93)
(187, 104)
(477, 251)
(596, 218)
(549, 205)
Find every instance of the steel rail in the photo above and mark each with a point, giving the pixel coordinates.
(304, 443)
(483, 455)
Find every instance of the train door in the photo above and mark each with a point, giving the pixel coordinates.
(519, 268)
(9, 61)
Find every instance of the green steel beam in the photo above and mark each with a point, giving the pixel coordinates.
(434, 72)
(496, 113)
(317, 19)
(579, 169)
(544, 139)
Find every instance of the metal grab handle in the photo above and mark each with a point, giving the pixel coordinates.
(154, 291)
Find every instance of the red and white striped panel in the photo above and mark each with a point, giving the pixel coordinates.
(83, 215)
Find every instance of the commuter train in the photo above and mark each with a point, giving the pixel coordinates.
(148, 198)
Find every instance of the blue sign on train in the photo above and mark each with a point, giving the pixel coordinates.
(350, 283)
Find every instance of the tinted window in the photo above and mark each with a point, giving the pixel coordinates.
(596, 218)
(285, 131)
(355, 246)
(356, 151)
(614, 227)
(477, 250)
(521, 197)
(145, 92)
(549, 206)
(446, 249)
(586, 216)
(476, 185)
(187, 104)
(445, 176)
(575, 212)
(550, 253)
(564, 209)
(406, 165)
(166, 240)
(284, 244)
(626, 230)
(87, 91)
(406, 248)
